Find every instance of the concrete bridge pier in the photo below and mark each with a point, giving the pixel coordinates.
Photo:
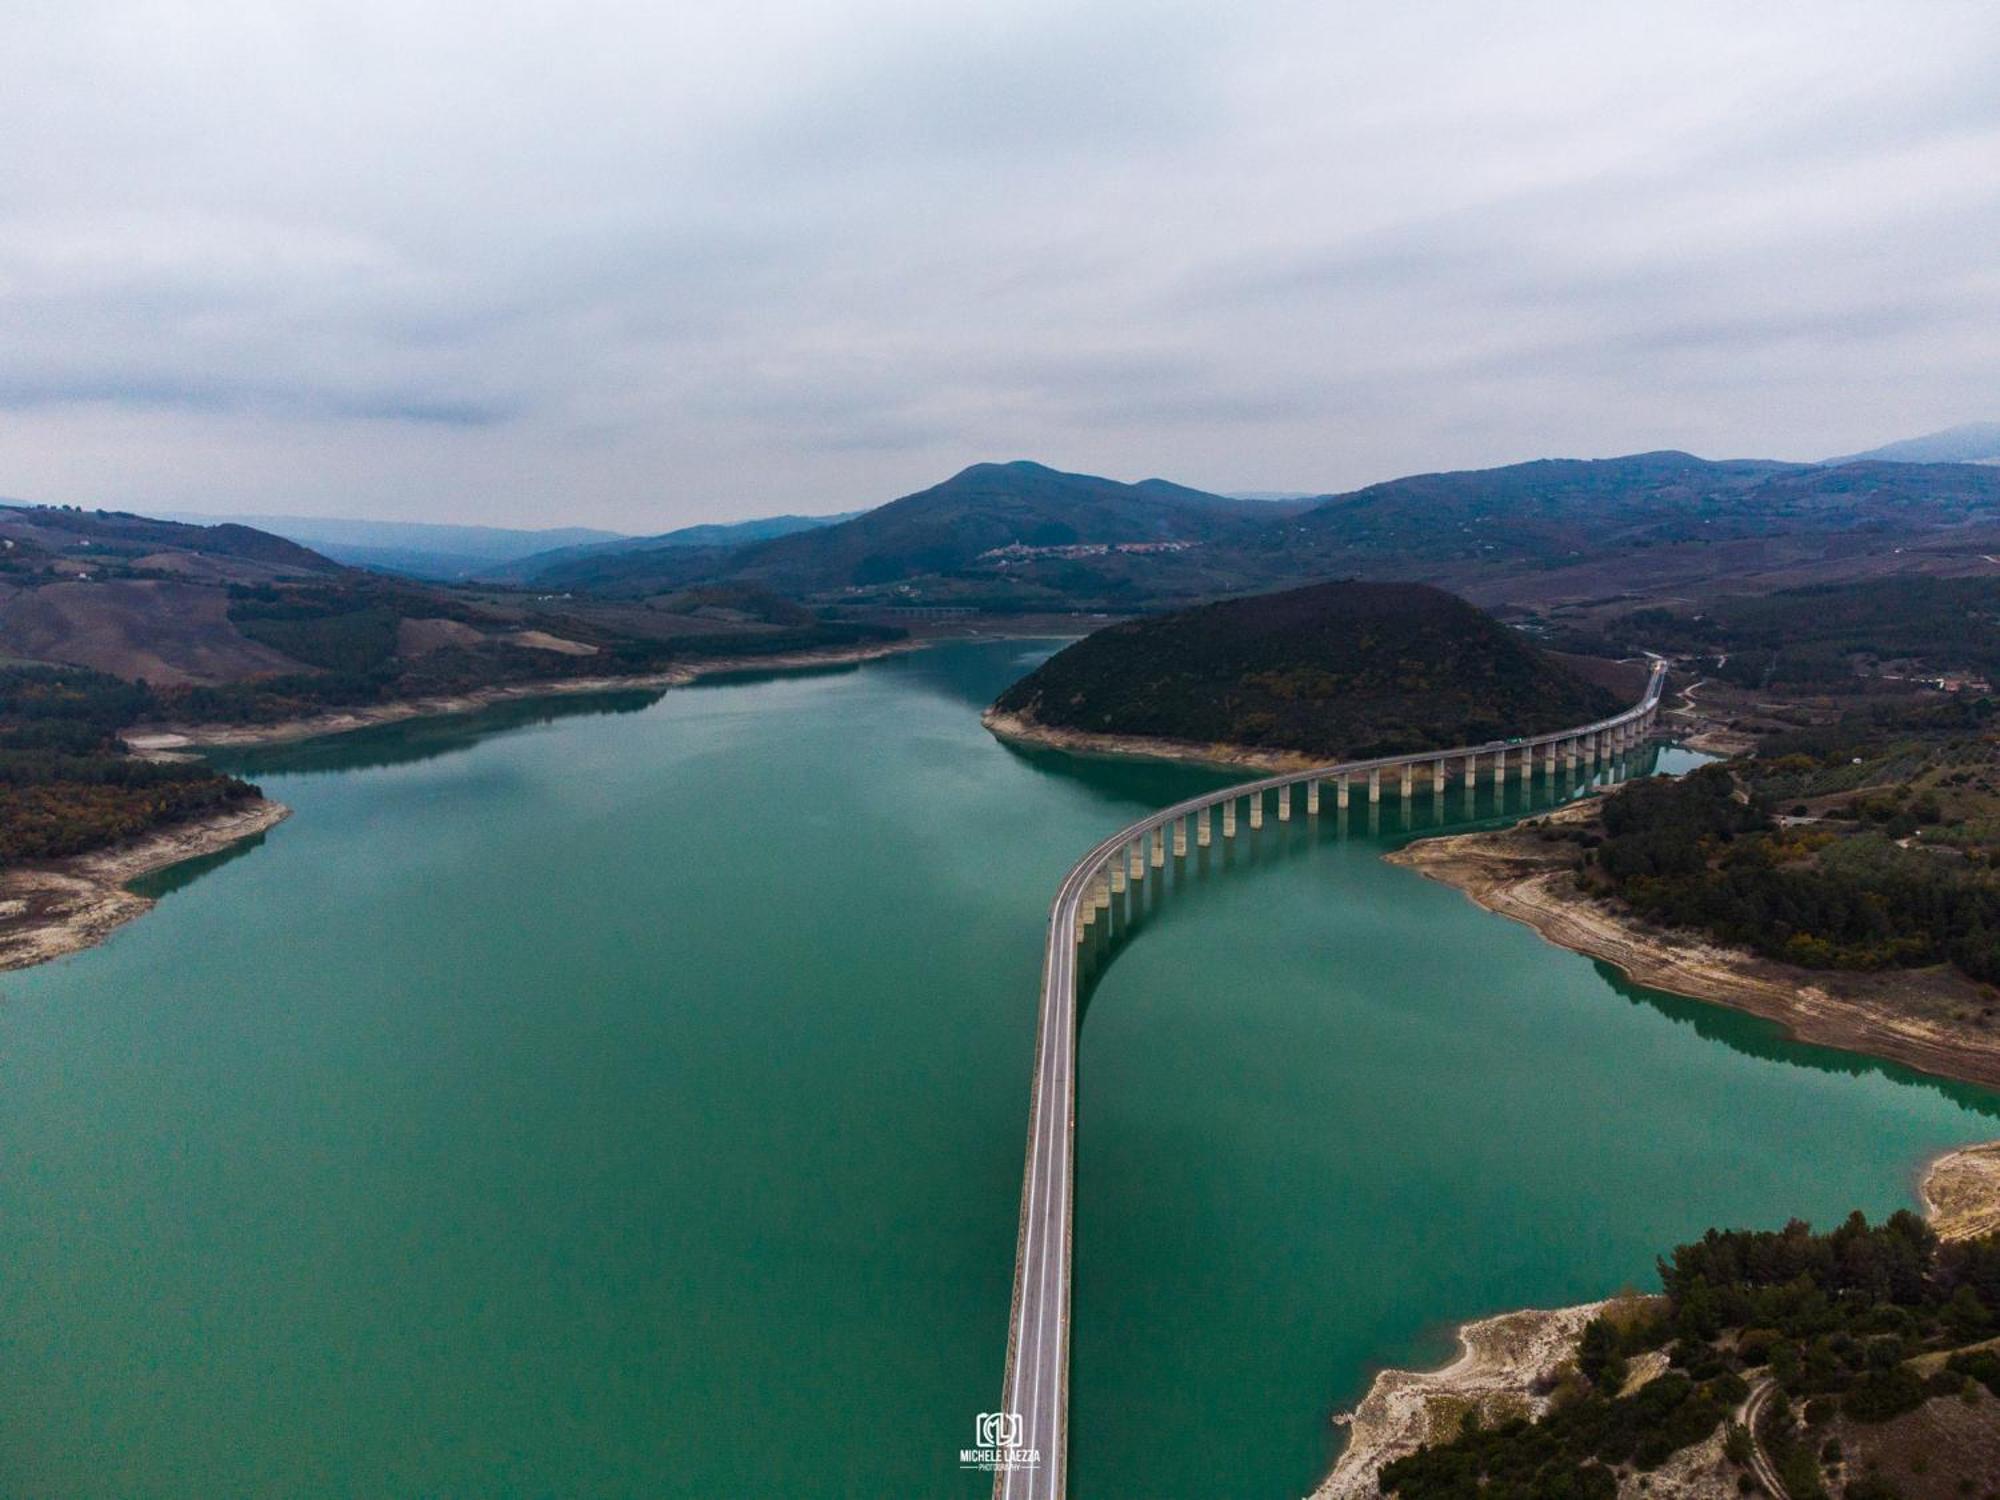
(1201, 827)
(1527, 771)
(1160, 848)
(1284, 804)
(1180, 838)
(1471, 775)
(1340, 791)
(1256, 809)
(1549, 759)
(1374, 786)
(1569, 755)
(1229, 819)
(1118, 873)
(1137, 852)
(1312, 798)
(1409, 780)
(1500, 768)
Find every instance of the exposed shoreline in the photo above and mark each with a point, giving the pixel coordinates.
(1501, 1359)
(1924, 1019)
(171, 740)
(1506, 1363)
(57, 907)
(1015, 729)
(51, 909)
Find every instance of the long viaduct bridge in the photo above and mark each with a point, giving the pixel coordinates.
(1032, 1427)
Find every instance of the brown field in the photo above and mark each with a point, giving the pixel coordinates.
(167, 633)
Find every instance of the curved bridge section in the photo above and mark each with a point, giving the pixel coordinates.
(1029, 1435)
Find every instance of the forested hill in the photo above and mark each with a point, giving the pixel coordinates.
(1334, 669)
(991, 519)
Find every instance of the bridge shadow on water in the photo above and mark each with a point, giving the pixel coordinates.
(1383, 826)
(1753, 1036)
(1280, 842)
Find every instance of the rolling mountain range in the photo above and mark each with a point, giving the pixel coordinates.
(1574, 543)
(1022, 537)
(945, 529)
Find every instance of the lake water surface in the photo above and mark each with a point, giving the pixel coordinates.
(627, 1097)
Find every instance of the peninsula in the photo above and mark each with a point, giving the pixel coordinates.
(1302, 677)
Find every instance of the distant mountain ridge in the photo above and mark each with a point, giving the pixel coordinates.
(1022, 537)
(713, 535)
(426, 549)
(1968, 443)
(1509, 532)
(981, 509)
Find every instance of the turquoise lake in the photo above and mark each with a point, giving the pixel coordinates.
(626, 1097)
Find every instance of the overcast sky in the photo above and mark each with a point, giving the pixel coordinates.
(643, 264)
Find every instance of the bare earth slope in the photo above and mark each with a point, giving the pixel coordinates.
(167, 633)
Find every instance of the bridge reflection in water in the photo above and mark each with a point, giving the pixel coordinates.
(1104, 900)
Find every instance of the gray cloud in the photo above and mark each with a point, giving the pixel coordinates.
(645, 265)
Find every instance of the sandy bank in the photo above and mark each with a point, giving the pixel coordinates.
(1928, 1019)
(1501, 1363)
(1017, 730)
(1961, 1192)
(62, 906)
(171, 740)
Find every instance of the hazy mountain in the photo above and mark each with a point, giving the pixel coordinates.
(1970, 443)
(1022, 537)
(946, 527)
(724, 535)
(1333, 669)
(422, 548)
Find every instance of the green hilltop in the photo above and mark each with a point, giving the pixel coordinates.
(1333, 669)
